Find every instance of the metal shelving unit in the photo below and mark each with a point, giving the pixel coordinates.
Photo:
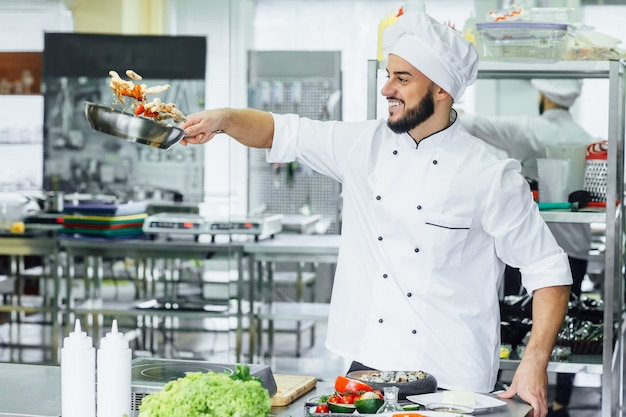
(611, 362)
(612, 359)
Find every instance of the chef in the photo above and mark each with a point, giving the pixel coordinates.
(430, 220)
(526, 139)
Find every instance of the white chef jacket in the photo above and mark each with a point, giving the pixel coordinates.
(525, 139)
(426, 233)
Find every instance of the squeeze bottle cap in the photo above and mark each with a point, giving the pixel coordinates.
(77, 339)
(114, 340)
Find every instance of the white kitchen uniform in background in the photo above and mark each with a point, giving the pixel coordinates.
(526, 139)
(426, 233)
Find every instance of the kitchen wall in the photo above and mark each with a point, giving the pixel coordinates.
(22, 27)
(235, 26)
(346, 25)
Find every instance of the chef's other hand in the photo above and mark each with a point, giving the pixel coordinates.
(200, 127)
(530, 383)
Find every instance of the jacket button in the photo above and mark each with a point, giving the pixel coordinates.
(380, 320)
(435, 162)
(385, 275)
(414, 331)
(416, 250)
(395, 152)
(409, 294)
(380, 238)
(419, 207)
(378, 197)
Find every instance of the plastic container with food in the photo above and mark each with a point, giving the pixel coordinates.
(521, 41)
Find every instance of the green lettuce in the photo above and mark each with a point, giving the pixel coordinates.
(209, 394)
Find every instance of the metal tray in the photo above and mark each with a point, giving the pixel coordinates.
(132, 128)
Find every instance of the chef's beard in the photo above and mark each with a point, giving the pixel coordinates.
(415, 116)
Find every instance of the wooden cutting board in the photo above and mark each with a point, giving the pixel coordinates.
(291, 387)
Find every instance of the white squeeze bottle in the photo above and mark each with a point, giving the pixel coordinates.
(114, 375)
(78, 375)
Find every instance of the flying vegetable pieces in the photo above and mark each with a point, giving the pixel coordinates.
(154, 109)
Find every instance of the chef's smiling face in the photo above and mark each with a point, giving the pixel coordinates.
(409, 94)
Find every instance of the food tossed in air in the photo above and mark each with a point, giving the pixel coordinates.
(158, 111)
(154, 109)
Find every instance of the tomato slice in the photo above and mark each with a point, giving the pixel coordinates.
(345, 384)
(335, 399)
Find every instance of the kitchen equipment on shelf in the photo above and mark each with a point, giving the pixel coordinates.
(521, 40)
(553, 180)
(132, 128)
(173, 224)
(14, 207)
(596, 171)
(575, 153)
(104, 220)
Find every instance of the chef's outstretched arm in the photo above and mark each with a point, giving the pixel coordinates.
(250, 127)
(530, 381)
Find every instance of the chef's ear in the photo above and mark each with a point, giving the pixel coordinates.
(439, 94)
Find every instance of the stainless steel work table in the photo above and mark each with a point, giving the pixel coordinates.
(16, 247)
(144, 249)
(22, 383)
(284, 247)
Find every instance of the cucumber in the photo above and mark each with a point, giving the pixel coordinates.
(341, 408)
(368, 405)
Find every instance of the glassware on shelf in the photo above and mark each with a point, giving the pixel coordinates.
(390, 395)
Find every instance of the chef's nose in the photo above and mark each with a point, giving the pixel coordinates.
(386, 90)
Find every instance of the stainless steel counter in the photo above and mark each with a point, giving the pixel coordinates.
(35, 390)
(322, 248)
(30, 390)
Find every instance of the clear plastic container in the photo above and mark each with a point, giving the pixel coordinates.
(551, 14)
(521, 41)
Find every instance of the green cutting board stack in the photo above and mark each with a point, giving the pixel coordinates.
(104, 220)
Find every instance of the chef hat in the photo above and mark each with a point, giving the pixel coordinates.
(437, 50)
(563, 92)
